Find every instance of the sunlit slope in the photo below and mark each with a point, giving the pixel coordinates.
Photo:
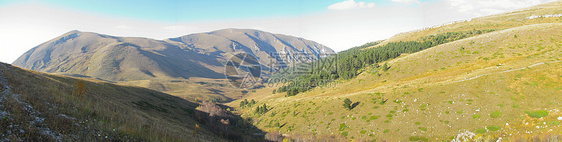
(482, 84)
(193, 89)
(544, 13)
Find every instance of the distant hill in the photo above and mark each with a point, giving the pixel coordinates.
(131, 58)
(189, 66)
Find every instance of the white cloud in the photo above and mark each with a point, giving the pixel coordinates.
(406, 1)
(466, 8)
(350, 4)
(492, 11)
(179, 28)
(488, 7)
(124, 27)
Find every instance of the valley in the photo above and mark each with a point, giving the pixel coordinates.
(490, 78)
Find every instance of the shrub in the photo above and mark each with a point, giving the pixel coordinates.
(342, 127)
(386, 131)
(475, 116)
(344, 134)
(481, 131)
(347, 104)
(493, 128)
(495, 114)
(418, 138)
(537, 114)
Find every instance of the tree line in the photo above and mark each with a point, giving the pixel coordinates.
(348, 64)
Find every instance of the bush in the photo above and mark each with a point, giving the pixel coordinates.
(495, 114)
(493, 128)
(537, 114)
(347, 104)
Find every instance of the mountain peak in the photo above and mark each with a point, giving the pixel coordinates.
(130, 58)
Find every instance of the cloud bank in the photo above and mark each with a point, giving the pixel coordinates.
(350, 4)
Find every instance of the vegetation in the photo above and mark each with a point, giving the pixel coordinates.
(44, 107)
(494, 78)
(537, 114)
(347, 104)
(348, 64)
(245, 103)
(261, 110)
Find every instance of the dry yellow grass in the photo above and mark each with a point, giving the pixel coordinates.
(45, 107)
(438, 93)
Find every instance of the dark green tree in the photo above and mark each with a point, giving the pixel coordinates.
(347, 104)
(252, 103)
(264, 108)
(243, 103)
(385, 67)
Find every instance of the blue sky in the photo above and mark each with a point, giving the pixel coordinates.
(338, 24)
(194, 10)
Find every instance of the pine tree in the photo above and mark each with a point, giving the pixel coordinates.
(252, 103)
(243, 103)
(347, 104)
(385, 67)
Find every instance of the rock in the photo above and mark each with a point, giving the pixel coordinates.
(560, 118)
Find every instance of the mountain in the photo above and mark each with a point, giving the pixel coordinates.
(491, 78)
(130, 58)
(191, 66)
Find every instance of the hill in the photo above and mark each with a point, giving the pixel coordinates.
(544, 13)
(36, 106)
(502, 84)
(172, 65)
(43, 107)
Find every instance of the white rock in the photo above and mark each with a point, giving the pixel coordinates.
(560, 118)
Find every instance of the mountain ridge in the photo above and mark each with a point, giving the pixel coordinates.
(200, 54)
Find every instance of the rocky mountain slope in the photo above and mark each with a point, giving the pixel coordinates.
(130, 58)
(190, 66)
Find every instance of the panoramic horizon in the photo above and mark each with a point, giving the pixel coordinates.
(281, 71)
(338, 24)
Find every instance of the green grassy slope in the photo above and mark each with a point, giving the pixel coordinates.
(495, 85)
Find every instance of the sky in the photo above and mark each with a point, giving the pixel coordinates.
(338, 24)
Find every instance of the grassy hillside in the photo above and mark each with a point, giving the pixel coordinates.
(543, 13)
(503, 84)
(36, 106)
(194, 89)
